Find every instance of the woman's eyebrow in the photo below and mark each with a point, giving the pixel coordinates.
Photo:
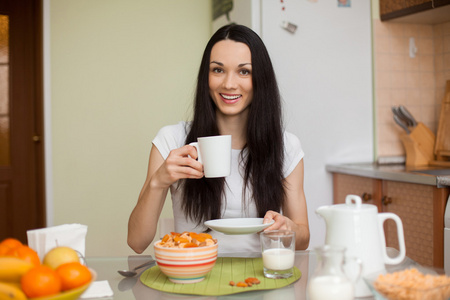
(221, 64)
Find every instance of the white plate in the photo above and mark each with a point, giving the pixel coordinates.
(238, 225)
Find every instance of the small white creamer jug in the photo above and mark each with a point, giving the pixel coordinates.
(330, 281)
(359, 228)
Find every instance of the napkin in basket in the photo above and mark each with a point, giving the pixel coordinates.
(44, 239)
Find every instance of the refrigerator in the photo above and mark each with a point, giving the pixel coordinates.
(322, 54)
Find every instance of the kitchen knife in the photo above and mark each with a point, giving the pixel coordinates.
(401, 123)
(401, 117)
(407, 115)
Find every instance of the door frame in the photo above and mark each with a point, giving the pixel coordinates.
(46, 71)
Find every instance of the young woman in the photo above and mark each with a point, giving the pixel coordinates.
(237, 95)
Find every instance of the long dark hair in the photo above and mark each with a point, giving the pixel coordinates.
(263, 155)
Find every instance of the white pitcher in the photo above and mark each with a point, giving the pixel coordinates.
(359, 228)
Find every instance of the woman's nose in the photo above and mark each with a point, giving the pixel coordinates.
(229, 81)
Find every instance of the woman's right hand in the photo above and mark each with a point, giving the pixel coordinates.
(143, 222)
(181, 163)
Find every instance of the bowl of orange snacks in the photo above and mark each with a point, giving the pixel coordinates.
(186, 257)
(413, 283)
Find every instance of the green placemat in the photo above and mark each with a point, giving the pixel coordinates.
(216, 282)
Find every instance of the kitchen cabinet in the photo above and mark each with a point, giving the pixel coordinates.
(391, 9)
(366, 188)
(421, 208)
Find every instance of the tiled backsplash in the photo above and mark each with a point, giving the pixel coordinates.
(418, 83)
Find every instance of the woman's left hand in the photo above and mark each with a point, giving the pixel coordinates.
(281, 222)
(295, 214)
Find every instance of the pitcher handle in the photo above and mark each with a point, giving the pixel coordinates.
(382, 217)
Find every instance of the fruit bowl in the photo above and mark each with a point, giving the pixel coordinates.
(185, 265)
(71, 294)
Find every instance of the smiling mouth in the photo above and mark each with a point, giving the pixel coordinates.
(230, 98)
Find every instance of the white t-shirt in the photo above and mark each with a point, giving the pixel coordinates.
(173, 137)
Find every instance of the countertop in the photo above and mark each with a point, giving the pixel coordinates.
(395, 172)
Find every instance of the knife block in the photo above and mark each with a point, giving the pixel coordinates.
(419, 146)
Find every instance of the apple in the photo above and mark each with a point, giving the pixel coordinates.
(60, 255)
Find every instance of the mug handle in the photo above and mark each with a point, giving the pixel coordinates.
(401, 238)
(199, 157)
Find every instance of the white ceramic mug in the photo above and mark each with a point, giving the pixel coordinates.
(214, 152)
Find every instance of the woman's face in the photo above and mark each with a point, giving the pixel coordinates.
(230, 77)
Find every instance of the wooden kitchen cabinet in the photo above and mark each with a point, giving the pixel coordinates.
(366, 188)
(391, 9)
(396, 8)
(420, 207)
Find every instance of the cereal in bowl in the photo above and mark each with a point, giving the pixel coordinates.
(412, 284)
(187, 240)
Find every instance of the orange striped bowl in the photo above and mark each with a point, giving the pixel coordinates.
(185, 265)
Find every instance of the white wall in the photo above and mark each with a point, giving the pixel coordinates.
(115, 72)
(244, 12)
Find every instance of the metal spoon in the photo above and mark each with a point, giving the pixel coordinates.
(132, 273)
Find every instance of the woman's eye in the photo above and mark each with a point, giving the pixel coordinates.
(245, 72)
(217, 70)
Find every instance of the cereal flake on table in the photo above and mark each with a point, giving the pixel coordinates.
(186, 240)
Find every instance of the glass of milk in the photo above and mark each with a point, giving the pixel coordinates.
(278, 253)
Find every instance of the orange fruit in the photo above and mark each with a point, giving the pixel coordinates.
(4, 249)
(26, 253)
(73, 275)
(40, 281)
(9, 243)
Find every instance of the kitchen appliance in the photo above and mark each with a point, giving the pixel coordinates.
(447, 238)
(359, 228)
